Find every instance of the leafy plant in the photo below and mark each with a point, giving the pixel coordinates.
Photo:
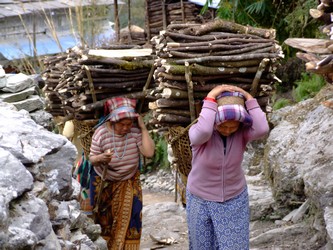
(288, 18)
(160, 159)
(281, 103)
(308, 86)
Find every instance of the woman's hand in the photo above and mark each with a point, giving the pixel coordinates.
(246, 94)
(141, 123)
(103, 158)
(148, 146)
(227, 88)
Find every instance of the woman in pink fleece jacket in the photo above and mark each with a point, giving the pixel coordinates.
(217, 203)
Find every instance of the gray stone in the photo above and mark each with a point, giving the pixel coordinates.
(25, 139)
(32, 103)
(36, 169)
(17, 82)
(18, 96)
(43, 118)
(328, 216)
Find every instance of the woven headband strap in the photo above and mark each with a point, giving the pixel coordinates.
(227, 93)
(121, 110)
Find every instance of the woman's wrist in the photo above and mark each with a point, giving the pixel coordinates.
(99, 159)
(248, 96)
(210, 98)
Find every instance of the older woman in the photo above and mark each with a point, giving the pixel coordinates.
(217, 202)
(115, 154)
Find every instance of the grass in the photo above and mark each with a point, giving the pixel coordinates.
(308, 86)
(281, 103)
(160, 158)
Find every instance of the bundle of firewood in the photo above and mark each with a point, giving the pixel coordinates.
(194, 58)
(78, 84)
(161, 13)
(317, 53)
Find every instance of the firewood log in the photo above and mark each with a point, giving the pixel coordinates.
(180, 112)
(169, 103)
(321, 15)
(170, 118)
(198, 69)
(307, 57)
(99, 104)
(223, 25)
(321, 70)
(310, 45)
(228, 58)
(127, 65)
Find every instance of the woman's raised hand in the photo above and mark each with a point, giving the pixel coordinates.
(141, 123)
(227, 88)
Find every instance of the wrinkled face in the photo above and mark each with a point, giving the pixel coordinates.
(123, 126)
(228, 127)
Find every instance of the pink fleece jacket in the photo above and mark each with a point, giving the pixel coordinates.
(215, 176)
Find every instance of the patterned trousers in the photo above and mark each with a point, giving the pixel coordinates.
(218, 225)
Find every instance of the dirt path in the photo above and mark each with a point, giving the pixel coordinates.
(150, 197)
(163, 220)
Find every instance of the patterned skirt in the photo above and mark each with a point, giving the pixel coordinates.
(218, 225)
(118, 210)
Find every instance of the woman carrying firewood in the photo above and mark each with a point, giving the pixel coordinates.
(115, 154)
(217, 203)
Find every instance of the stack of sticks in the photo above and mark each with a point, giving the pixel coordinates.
(318, 53)
(161, 13)
(194, 58)
(78, 83)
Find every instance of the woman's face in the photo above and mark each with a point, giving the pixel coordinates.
(123, 126)
(228, 127)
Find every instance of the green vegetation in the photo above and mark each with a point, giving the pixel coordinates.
(288, 18)
(308, 86)
(281, 103)
(138, 12)
(160, 159)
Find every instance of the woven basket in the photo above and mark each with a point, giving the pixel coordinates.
(84, 129)
(180, 144)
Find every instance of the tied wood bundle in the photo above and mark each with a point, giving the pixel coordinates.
(161, 13)
(90, 77)
(194, 58)
(317, 53)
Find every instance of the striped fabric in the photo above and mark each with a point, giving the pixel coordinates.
(227, 93)
(232, 112)
(118, 108)
(119, 169)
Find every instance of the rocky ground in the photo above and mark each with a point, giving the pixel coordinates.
(164, 220)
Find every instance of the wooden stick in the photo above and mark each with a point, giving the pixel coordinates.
(228, 58)
(101, 187)
(91, 84)
(255, 83)
(150, 76)
(188, 76)
(223, 25)
(100, 104)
